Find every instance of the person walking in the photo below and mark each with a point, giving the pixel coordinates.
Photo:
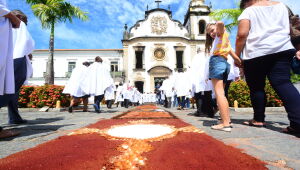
(263, 37)
(7, 21)
(73, 87)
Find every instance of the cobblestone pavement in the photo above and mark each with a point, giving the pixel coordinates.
(279, 150)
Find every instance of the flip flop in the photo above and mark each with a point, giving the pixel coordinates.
(251, 123)
(8, 133)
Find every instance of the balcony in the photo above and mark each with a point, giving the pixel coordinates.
(117, 74)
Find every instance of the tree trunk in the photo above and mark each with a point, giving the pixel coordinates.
(49, 77)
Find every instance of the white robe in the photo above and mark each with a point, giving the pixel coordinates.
(199, 71)
(7, 79)
(182, 84)
(97, 80)
(110, 92)
(23, 46)
(73, 85)
(119, 96)
(234, 70)
(167, 86)
(136, 95)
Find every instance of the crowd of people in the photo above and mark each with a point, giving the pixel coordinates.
(264, 49)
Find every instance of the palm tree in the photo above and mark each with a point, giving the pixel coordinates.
(51, 12)
(229, 15)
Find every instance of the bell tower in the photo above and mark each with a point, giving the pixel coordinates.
(196, 19)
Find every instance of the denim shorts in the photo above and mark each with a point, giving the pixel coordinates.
(218, 68)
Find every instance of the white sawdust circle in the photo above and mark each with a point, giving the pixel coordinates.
(140, 131)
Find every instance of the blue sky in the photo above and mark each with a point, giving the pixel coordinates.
(107, 18)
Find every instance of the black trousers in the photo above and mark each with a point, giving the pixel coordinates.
(198, 99)
(109, 103)
(277, 68)
(98, 99)
(20, 72)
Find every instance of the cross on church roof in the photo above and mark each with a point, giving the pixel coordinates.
(158, 1)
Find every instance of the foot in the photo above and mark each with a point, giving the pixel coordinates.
(254, 123)
(221, 127)
(96, 108)
(84, 110)
(8, 133)
(70, 109)
(22, 121)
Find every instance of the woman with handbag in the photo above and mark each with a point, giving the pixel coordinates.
(264, 37)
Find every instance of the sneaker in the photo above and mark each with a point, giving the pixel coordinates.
(221, 127)
(220, 122)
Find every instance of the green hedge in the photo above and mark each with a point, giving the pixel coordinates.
(40, 96)
(240, 92)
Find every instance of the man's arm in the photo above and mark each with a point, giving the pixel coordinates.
(15, 21)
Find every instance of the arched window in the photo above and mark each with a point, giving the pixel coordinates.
(202, 25)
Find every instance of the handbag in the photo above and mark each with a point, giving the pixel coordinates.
(296, 65)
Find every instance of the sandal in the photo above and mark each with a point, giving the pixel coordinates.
(291, 131)
(8, 133)
(254, 123)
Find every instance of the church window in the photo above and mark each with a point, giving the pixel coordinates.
(114, 66)
(139, 59)
(179, 59)
(202, 25)
(71, 66)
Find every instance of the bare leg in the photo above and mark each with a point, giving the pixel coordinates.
(222, 101)
(85, 101)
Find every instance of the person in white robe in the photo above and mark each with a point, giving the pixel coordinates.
(182, 85)
(167, 88)
(127, 93)
(96, 82)
(7, 21)
(7, 86)
(110, 95)
(74, 89)
(136, 96)
(119, 96)
(23, 45)
(202, 86)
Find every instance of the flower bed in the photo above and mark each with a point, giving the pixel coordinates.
(240, 92)
(40, 96)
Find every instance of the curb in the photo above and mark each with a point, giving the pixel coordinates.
(250, 109)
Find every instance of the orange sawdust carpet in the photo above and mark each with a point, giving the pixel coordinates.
(98, 146)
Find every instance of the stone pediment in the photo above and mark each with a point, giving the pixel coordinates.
(160, 70)
(158, 23)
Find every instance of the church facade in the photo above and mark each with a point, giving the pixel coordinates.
(157, 46)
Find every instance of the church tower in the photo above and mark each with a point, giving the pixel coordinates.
(196, 19)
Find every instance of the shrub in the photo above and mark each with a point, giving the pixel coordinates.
(46, 96)
(24, 95)
(240, 92)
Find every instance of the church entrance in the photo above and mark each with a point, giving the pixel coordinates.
(157, 75)
(158, 82)
(140, 86)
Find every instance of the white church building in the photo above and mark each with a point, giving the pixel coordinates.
(153, 49)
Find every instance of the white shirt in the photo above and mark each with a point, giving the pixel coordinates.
(269, 30)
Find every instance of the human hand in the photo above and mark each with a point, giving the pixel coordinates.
(15, 21)
(298, 55)
(238, 62)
